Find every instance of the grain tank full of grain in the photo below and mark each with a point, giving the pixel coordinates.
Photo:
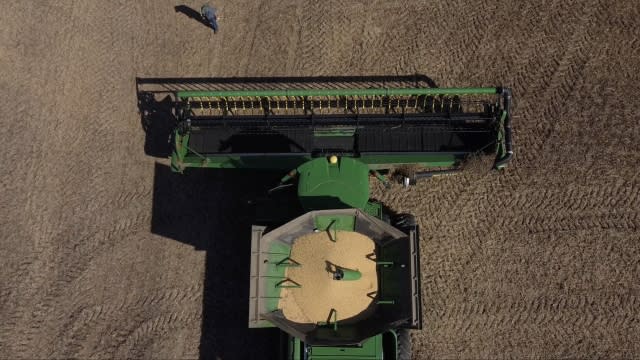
(295, 286)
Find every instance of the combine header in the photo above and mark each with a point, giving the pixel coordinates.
(342, 278)
(381, 127)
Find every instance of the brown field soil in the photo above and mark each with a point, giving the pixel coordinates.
(105, 254)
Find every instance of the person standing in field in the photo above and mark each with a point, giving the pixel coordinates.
(209, 14)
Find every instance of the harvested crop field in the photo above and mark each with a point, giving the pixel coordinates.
(106, 254)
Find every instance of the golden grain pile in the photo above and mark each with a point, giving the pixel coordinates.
(320, 293)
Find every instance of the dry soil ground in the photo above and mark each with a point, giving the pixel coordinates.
(104, 254)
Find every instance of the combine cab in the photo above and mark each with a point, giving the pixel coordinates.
(342, 278)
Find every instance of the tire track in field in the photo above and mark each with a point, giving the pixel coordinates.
(565, 80)
(34, 108)
(556, 313)
(573, 199)
(628, 220)
(445, 250)
(73, 258)
(316, 37)
(85, 321)
(136, 342)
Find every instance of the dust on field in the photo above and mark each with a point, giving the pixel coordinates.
(104, 252)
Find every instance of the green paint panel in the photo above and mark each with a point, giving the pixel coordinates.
(337, 222)
(374, 209)
(278, 247)
(272, 297)
(179, 151)
(323, 185)
(370, 349)
(337, 92)
(295, 351)
(180, 160)
(378, 162)
(266, 162)
(274, 274)
(351, 275)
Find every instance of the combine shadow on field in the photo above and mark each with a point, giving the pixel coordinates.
(210, 210)
(191, 13)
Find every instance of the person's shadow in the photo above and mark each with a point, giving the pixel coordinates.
(191, 13)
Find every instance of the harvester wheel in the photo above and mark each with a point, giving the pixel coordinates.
(404, 344)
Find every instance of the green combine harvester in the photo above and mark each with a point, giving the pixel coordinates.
(341, 277)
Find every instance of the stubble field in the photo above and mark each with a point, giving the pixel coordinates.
(105, 254)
